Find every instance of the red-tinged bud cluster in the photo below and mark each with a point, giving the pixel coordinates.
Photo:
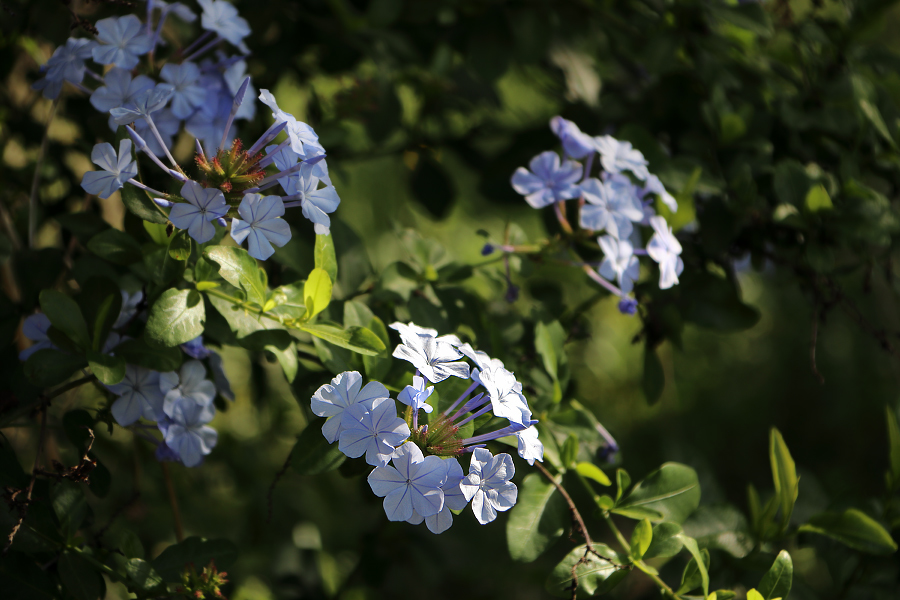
(231, 171)
(440, 437)
(204, 585)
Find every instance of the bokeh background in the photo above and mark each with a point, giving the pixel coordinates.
(425, 109)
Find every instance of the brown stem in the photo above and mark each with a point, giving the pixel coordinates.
(173, 500)
(576, 516)
(23, 510)
(560, 209)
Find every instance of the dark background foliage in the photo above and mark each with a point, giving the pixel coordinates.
(786, 315)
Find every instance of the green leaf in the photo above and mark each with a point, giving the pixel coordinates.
(157, 233)
(654, 379)
(776, 583)
(130, 544)
(289, 301)
(312, 454)
(140, 204)
(874, 116)
(358, 339)
(79, 577)
(49, 367)
(641, 538)
(142, 577)
(623, 482)
(156, 358)
(65, 315)
(818, 199)
(110, 370)
(784, 474)
(100, 301)
(115, 246)
(317, 292)
(791, 182)
(360, 315)
(751, 17)
(673, 491)
(170, 564)
(721, 528)
(569, 451)
(592, 471)
(853, 528)
(549, 339)
(162, 268)
(242, 321)
(70, 506)
(595, 575)
(241, 270)
(753, 594)
(537, 520)
(180, 246)
(177, 316)
(665, 542)
(700, 562)
(894, 444)
(325, 257)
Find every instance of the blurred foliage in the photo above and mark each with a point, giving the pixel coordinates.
(775, 124)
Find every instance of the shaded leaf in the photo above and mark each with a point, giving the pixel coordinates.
(537, 520)
(673, 491)
(312, 454)
(853, 528)
(776, 583)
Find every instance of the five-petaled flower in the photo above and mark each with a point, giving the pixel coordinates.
(612, 205)
(488, 486)
(413, 483)
(261, 225)
(122, 41)
(345, 390)
(619, 262)
(665, 249)
(548, 181)
(374, 429)
(203, 206)
(116, 169)
(617, 156)
(188, 386)
(139, 395)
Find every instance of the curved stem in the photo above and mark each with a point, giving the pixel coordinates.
(560, 209)
(32, 201)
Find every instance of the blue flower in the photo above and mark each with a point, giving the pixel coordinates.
(187, 433)
(262, 223)
(628, 306)
(168, 126)
(66, 64)
(453, 500)
(619, 262)
(223, 386)
(234, 76)
(303, 188)
(549, 181)
(144, 104)
(665, 250)
(208, 123)
(118, 91)
(35, 329)
(530, 447)
(344, 391)
(505, 392)
(195, 348)
(575, 143)
(374, 429)
(617, 156)
(434, 357)
(203, 206)
(488, 486)
(122, 40)
(412, 484)
(222, 18)
(188, 386)
(654, 186)
(139, 396)
(304, 141)
(116, 170)
(612, 206)
(416, 395)
(130, 303)
(187, 95)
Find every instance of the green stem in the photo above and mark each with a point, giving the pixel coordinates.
(663, 586)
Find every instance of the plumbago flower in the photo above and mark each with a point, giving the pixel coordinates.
(122, 41)
(616, 202)
(203, 206)
(117, 170)
(262, 225)
(139, 396)
(35, 329)
(417, 467)
(66, 64)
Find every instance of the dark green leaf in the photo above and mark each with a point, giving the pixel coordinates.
(537, 520)
(156, 358)
(177, 316)
(358, 314)
(241, 270)
(665, 542)
(115, 246)
(722, 528)
(109, 370)
(46, 368)
(654, 379)
(595, 575)
(242, 321)
(65, 314)
(312, 454)
(776, 583)
(853, 528)
(700, 562)
(791, 182)
(894, 447)
(142, 576)
(79, 577)
(194, 550)
(673, 491)
(140, 204)
(180, 246)
(549, 339)
(70, 506)
(100, 301)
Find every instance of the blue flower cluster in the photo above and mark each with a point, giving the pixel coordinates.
(181, 404)
(203, 96)
(620, 198)
(417, 471)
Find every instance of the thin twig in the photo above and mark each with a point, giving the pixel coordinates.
(278, 476)
(32, 201)
(23, 510)
(173, 500)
